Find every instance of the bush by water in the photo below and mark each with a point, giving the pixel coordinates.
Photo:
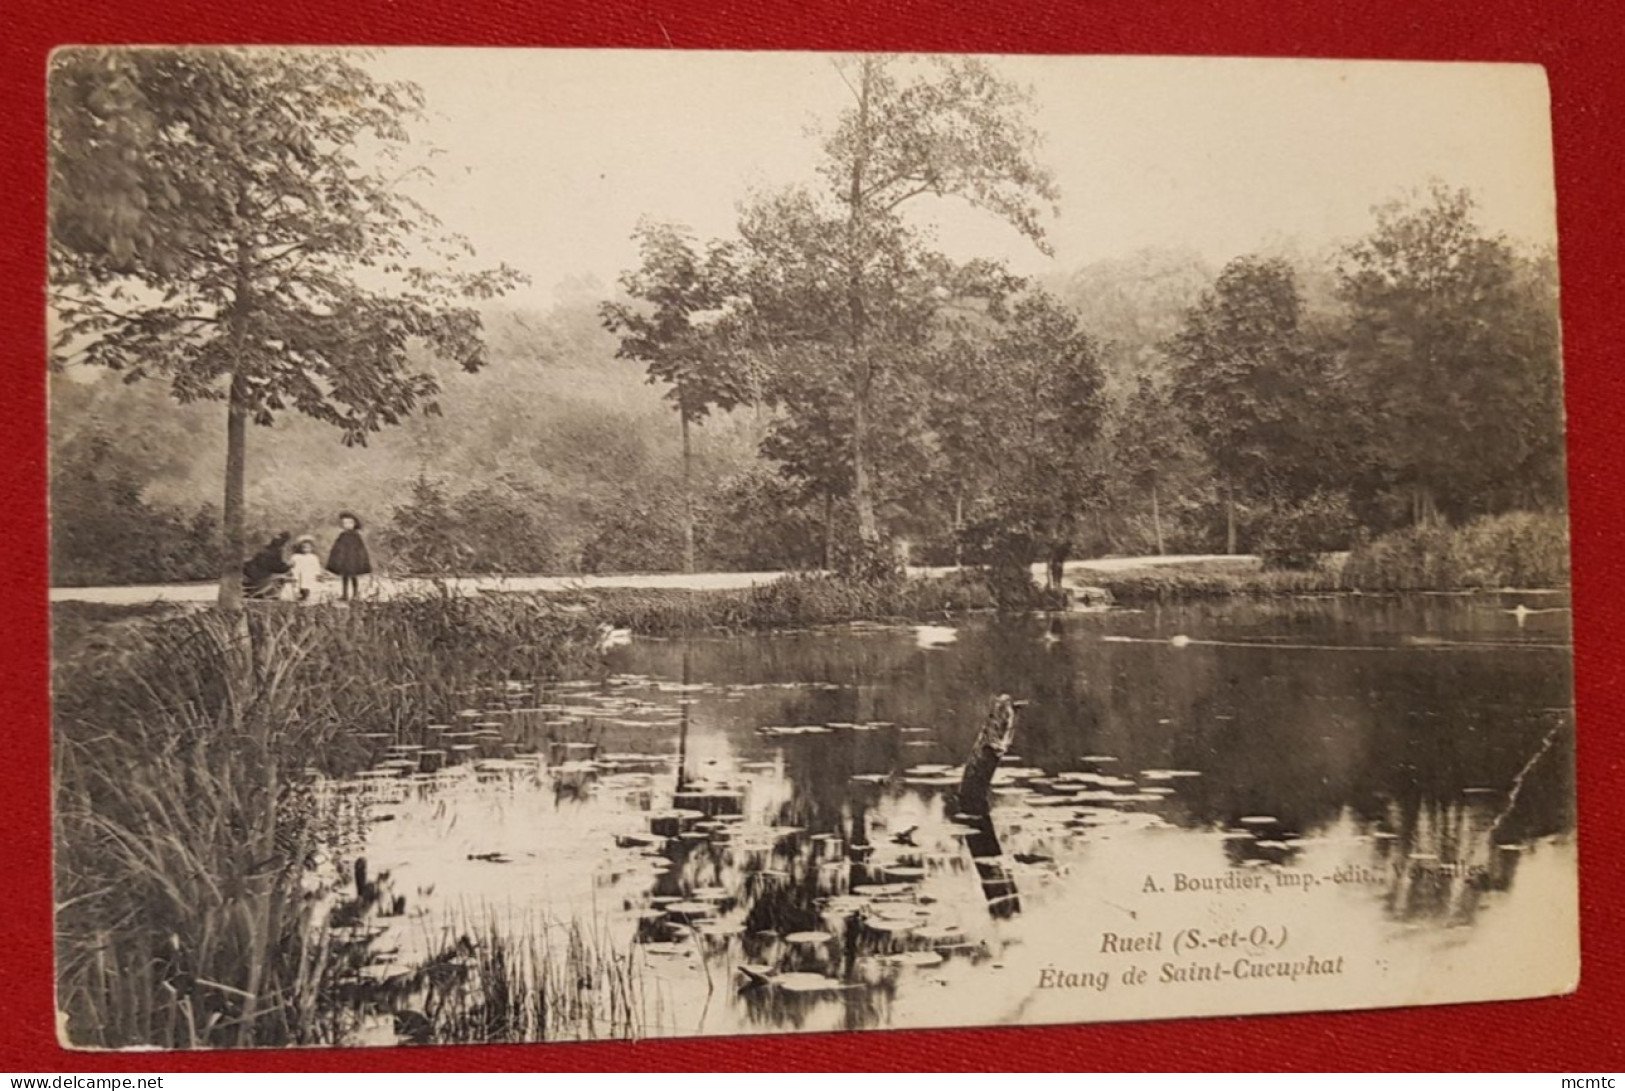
(1518, 549)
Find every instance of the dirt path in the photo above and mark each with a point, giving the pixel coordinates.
(385, 587)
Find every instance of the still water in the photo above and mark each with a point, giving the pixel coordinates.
(1219, 807)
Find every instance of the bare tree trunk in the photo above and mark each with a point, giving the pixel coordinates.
(829, 530)
(959, 527)
(688, 497)
(1424, 509)
(1229, 522)
(231, 516)
(1156, 517)
(232, 531)
(868, 529)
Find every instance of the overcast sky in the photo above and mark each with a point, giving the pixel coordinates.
(550, 157)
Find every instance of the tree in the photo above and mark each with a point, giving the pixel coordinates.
(672, 297)
(844, 273)
(1149, 443)
(232, 222)
(1256, 391)
(499, 526)
(1454, 342)
(1020, 420)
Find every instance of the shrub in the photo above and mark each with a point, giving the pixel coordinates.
(759, 522)
(873, 562)
(498, 527)
(1004, 554)
(1517, 549)
(1296, 534)
(103, 531)
(634, 533)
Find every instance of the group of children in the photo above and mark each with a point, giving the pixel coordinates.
(268, 571)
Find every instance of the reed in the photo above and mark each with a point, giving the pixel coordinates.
(550, 981)
(184, 758)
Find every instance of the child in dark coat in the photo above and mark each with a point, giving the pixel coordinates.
(348, 559)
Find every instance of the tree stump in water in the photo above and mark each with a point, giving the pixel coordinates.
(992, 743)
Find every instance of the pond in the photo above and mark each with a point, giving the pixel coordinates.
(1222, 807)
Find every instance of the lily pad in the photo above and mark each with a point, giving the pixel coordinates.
(916, 958)
(806, 983)
(808, 938)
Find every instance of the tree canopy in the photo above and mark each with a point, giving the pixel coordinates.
(842, 271)
(236, 224)
(1454, 340)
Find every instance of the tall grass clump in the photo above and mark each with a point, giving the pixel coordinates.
(1518, 549)
(184, 758)
(180, 839)
(550, 982)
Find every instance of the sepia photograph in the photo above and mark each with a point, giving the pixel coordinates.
(562, 545)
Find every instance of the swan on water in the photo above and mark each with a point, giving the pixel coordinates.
(934, 636)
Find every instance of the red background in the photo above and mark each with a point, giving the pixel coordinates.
(1582, 45)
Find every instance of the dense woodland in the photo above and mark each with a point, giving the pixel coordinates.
(823, 384)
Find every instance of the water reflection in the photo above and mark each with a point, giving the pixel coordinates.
(771, 825)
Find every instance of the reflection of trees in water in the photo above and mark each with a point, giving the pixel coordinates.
(1441, 857)
(1436, 734)
(863, 1002)
(1394, 739)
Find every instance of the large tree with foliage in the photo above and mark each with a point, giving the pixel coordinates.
(672, 300)
(1018, 413)
(1453, 339)
(234, 222)
(843, 278)
(1256, 389)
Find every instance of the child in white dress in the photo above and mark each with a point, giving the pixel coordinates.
(307, 568)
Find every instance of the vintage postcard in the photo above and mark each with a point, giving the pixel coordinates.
(558, 545)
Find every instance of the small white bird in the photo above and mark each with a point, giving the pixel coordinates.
(1179, 641)
(612, 638)
(934, 636)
